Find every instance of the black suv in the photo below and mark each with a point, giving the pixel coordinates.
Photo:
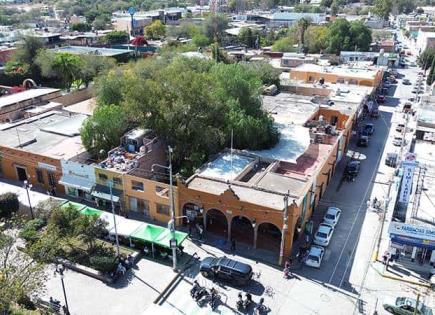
(226, 269)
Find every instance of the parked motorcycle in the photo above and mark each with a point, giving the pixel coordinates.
(195, 288)
(261, 309)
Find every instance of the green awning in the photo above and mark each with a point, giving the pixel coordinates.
(75, 205)
(91, 211)
(148, 233)
(164, 238)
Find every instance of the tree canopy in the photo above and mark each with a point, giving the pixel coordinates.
(214, 27)
(23, 60)
(192, 104)
(383, 8)
(155, 30)
(117, 37)
(345, 35)
(101, 132)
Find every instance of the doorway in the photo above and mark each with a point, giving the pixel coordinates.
(22, 173)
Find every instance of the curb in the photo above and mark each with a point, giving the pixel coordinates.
(400, 279)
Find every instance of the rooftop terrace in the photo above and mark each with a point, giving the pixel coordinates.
(11, 99)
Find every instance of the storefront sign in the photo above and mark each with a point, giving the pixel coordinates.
(422, 233)
(408, 173)
(47, 166)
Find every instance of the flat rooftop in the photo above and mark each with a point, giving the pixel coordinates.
(55, 134)
(82, 50)
(340, 71)
(227, 166)
(290, 112)
(86, 107)
(11, 99)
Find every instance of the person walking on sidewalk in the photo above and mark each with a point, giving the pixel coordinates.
(233, 245)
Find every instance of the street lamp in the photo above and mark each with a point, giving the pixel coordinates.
(59, 270)
(173, 241)
(110, 183)
(28, 186)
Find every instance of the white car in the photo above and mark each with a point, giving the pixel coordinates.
(398, 141)
(323, 234)
(332, 216)
(315, 256)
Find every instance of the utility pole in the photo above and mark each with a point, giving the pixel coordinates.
(114, 218)
(172, 227)
(284, 228)
(416, 304)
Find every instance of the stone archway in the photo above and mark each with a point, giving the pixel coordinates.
(269, 237)
(242, 230)
(216, 222)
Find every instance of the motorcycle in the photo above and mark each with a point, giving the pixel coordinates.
(199, 294)
(240, 304)
(54, 304)
(194, 289)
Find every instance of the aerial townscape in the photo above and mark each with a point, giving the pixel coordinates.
(202, 157)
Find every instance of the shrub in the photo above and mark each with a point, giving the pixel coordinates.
(102, 263)
(30, 230)
(9, 204)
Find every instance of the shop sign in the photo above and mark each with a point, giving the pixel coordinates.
(414, 231)
(47, 166)
(408, 174)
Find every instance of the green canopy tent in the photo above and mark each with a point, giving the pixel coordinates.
(91, 211)
(148, 233)
(164, 238)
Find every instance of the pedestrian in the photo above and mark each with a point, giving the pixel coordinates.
(233, 245)
(384, 258)
(53, 191)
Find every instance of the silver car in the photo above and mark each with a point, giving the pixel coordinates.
(332, 216)
(323, 234)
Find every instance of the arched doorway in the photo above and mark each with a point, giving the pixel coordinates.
(269, 237)
(217, 222)
(242, 230)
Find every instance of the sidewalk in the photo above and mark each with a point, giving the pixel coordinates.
(400, 273)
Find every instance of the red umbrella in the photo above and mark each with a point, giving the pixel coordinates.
(139, 41)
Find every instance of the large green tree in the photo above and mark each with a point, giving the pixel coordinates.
(188, 100)
(425, 59)
(101, 132)
(316, 38)
(214, 27)
(20, 276)
(117, 37)
(155, 30)
(23, 60)
(383, 8)
(303, 24)
(344, 36)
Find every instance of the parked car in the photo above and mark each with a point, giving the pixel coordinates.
(400, 127)
(406, 82)
(226, 269)
(323, 234)
(374, 113)
(381, 98)
(315, 256)
(405, 306)
(332, 216)
(398, 141)
(407, 107)
(369, 128)
(352, 168)
(363, 141)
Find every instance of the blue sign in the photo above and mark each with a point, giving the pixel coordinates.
(403, 240)
(131, 10)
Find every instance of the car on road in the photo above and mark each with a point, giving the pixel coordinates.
(363, 141)
(381, 98)
(226, 269)
(323, 234)
(352, 168)
(406, 82)
(415, 90)
(369, 128)
(398, 141)
(400, 127)
(405, 306)
(332, 216)
(315, 256)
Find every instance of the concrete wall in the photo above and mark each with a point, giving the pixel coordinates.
(75, 96)
(153, 192)
(12, 158)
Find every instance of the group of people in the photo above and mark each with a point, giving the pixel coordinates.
(124, 264)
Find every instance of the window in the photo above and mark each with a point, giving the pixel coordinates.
(334, 120)
(52, 179)
(162, 209)
(39, 176)
(71, 191)
(135, 185)
(117, 181)
(143, 205)
(102, 176)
